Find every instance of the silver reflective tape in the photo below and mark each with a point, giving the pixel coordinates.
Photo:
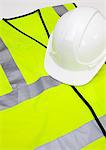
(24, 92)
(78, 138)
(11, 70)
(21, 91)
(60, 10)
(44, 83)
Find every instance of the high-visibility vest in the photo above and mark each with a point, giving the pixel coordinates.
(35, 109)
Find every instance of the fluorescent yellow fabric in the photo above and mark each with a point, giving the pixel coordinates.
(5, 87)
(28, 55)
(32, 25)
(55, 112)
(97, 145)
(95, 91)
(69, 7)
(50, 18)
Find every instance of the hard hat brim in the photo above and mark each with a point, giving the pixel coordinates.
(69, 77)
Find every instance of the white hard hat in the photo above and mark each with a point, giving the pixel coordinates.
(77, 47)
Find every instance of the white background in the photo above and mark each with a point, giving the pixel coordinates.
(12, 8)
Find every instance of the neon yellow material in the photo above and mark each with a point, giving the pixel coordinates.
(28, 55)
(50, 18)
(69, 7)
(97, 145)
(55, 112)
(95, 92)
(5, 86)
(32, 25)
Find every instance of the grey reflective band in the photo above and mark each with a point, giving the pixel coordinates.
(77, 139)
(21, 91)
(60, 10)
(11, 70)
(24, 92)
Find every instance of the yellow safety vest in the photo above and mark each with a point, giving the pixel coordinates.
(31, 114)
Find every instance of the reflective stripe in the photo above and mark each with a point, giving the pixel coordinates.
(77, 139)
(25, 92)
(60, 10)
(21, 91)
(11, 70)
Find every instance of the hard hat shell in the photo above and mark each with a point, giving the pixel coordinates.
(77, 47)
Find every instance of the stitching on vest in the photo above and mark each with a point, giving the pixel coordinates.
(47, 32)
(24, 33)
(21, 15)
(91, 109)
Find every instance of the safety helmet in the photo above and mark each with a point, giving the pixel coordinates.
(77, 47)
